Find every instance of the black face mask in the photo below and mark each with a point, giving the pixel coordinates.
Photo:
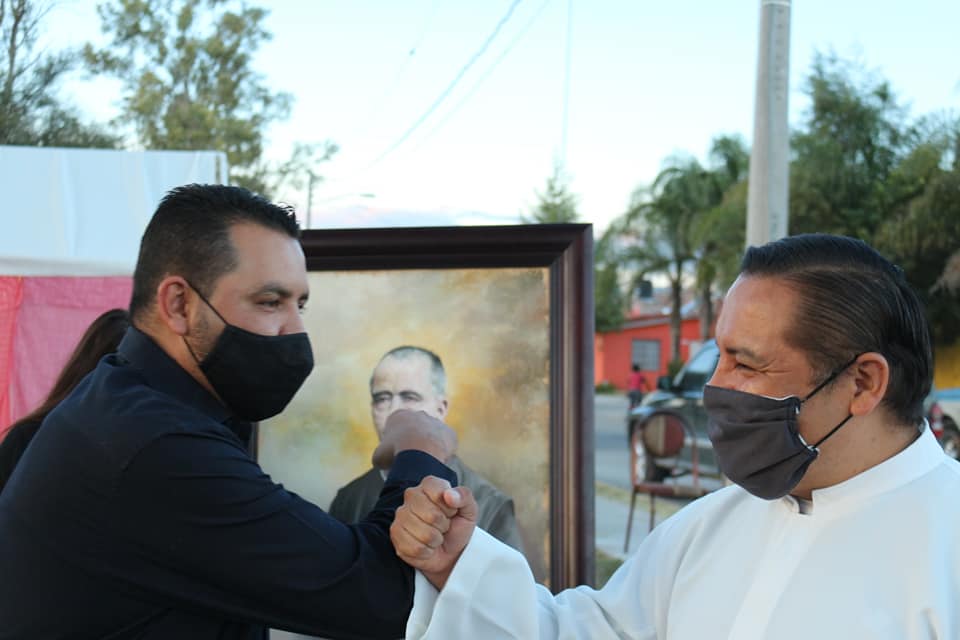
(256, 376)
(756, 439)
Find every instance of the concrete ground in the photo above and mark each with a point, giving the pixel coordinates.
(612, 462)
(612, 507)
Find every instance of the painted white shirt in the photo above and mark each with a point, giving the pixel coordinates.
(877, 557)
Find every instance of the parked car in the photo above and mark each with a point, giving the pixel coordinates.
(683, 394)
(942, 408)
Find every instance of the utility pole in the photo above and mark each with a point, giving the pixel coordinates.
(769, 188)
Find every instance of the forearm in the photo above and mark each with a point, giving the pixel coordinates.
(491, 593)
(476, 601)
(243, 547)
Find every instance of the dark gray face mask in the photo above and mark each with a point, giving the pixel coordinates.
(756, 440)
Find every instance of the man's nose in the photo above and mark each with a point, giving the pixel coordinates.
(294, 324)
(717, 379)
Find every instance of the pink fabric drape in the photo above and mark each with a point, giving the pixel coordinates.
(53, 313)
(11, 290)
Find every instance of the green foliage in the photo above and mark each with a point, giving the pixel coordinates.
(673, 367)
(609, 304)
(299, 170)
(559, 205)
(188, 79)
(852, 140)
(31, 113)
(922, 239)
(691, 215)
(609, 300)
(606, 387)
(862, 169)
(659, 227)
(719, 233)
(606, 566)
(556, 205)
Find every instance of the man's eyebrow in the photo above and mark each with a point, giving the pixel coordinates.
(744, 352)
(278, 289)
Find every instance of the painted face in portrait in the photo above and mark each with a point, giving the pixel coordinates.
(404, 383)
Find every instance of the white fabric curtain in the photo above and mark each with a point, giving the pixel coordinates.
(82, 211)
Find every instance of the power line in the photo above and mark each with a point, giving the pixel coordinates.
(451, 86)
(377, 109)
(496, 63)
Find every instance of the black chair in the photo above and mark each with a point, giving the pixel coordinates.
(656, 446)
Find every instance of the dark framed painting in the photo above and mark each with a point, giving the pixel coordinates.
(509, 310)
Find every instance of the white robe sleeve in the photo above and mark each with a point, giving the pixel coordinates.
(491, 593)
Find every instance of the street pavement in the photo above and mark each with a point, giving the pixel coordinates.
(612, 464)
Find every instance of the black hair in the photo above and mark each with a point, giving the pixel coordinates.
(189, 235)
(852, 301)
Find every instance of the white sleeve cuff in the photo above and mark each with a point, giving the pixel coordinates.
(491, 592)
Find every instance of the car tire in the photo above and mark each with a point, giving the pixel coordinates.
(950, 440)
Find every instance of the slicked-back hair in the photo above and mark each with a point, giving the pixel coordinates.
(189, 235)
(852, 300)
(438, 377)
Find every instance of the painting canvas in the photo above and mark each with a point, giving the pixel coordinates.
(491, 329)
(496, 319)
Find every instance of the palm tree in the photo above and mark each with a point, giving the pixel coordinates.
(660, 222)
(719, 233)
(691, 214)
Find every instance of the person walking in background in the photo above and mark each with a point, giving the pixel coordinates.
(101, 337)
(636, 385)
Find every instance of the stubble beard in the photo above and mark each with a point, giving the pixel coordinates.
(200, 339)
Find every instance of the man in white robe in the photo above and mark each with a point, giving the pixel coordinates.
(843, 522)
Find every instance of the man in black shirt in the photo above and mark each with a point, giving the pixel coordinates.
(137, 511)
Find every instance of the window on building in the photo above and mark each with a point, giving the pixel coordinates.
(646, 353)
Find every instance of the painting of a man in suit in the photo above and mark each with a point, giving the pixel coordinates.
(410, 377)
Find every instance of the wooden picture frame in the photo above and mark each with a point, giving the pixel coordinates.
(562, 253)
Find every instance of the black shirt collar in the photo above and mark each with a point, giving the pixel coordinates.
(162, 373)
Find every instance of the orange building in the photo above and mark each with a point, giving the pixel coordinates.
(644, 340)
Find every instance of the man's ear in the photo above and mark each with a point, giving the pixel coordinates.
(443, 407)
(172, 303)
(871, 375)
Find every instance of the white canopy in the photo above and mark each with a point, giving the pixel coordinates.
(81, 212)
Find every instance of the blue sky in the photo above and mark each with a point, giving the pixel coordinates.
(647, 79)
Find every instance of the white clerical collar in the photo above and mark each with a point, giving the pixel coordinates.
(804, 506)
(919, 458)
